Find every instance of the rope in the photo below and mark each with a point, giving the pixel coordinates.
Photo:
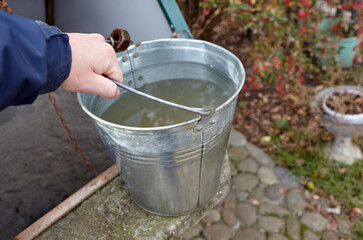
(5, 6)
(71, 136)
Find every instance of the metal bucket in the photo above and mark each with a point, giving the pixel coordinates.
(171, 170)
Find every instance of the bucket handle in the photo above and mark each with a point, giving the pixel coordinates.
(201, 111)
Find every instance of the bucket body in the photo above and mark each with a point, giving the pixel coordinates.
(170, 170)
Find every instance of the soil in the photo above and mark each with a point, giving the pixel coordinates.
(346, 103)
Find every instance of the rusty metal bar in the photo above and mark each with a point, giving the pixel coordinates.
(67, 205)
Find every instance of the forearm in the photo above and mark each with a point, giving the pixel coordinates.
(34, 58)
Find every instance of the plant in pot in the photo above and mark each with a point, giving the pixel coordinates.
(341, 32)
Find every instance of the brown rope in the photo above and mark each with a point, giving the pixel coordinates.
(71, 136)
(5, 6)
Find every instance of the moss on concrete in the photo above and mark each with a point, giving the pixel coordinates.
(110, 213)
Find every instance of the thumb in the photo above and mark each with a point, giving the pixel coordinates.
(114, 71)
(103, 87)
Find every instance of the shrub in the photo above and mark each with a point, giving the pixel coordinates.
(285, 42)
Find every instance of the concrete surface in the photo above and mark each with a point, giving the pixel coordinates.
(110, 213)
(39, 166)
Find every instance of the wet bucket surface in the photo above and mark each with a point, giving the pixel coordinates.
(169, 167)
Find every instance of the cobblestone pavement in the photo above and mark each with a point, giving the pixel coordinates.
(265, 202)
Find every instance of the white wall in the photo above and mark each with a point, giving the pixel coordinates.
(143, 19)
(34, 9)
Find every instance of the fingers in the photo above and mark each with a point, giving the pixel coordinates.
(92, 59)
(102, 86)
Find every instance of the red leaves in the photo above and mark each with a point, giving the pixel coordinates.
(358, 5)
(290, 68)
(355, 60)
(302, 29)
(206, 10)
(276, 63)
(336, 27)
(256, 70)
(305, 2)
(301, 14)
(252, 85)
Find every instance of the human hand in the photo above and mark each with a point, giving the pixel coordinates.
(92, 59)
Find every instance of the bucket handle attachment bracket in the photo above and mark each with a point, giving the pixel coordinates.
(205, 121)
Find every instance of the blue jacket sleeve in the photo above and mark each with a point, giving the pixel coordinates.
(35, 58)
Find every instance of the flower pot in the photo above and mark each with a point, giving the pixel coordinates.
(345, 53)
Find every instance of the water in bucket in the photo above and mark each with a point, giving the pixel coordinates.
(135, 111)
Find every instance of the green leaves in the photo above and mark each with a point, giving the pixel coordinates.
(244, 6)
(282, 123)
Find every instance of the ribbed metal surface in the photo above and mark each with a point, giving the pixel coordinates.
(170, 170)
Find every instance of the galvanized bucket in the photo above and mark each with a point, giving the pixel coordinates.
(171, 170)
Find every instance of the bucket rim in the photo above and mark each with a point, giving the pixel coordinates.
(167, 127)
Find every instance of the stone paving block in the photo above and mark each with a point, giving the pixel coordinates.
(330, 235)
(309, 235)
(250, 234)
(295, 201)
(230, 200)
(237, 154)
(218, 231)
(242, 196)
(267, 208)
(234, 170)
(193, 232)
(277, 236)
(293, 227)
(258, 194)
(248, 165)
(267, 175)
(211, 216)
(344, 226)
(314, 221)
(271, 224)
(260, 156)
(236, 138)
(275, 193)
(245, 182)
(229, 217)
(247, 214)
(286, 177)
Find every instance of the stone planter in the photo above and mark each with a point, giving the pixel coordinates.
(342, 126)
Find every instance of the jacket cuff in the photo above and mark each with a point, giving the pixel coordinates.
(59, 57)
